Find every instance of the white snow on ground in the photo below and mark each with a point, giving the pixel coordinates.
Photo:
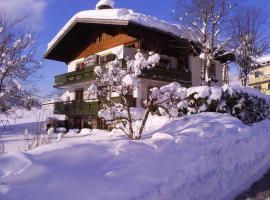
(12, 127)
(204, 156)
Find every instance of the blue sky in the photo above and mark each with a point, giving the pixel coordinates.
(48, 16)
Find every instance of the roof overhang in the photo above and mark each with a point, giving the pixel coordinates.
(63, 34)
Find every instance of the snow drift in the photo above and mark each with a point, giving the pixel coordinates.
(204, 156)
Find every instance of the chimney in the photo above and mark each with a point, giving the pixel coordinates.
(105, 4)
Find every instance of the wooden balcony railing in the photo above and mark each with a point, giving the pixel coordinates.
(74, 77)
(85, 108)
(77, 108)
(167, 75)
(155, 73)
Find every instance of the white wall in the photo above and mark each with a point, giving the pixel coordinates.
(72, 65)
(195, 68)
(143, 86)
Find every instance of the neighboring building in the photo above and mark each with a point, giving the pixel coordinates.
(95, 37)
(260, 78)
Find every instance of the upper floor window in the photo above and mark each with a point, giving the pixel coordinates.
(107, 58)
(80, 66)
(183, 61)
(257, 74)
(167, 62)
(213, 69)
(258, 87)
(268, 86)
(164, 63)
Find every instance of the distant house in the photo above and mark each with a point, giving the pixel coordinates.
(95, 37)
(260, 78)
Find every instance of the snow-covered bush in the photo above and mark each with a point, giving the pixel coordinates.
(248, 106)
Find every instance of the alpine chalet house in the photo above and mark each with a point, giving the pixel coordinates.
(260, 77)
(96, 37)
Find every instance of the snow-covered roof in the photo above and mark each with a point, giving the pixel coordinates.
(264, 60)
(109, 3)
(115, 16)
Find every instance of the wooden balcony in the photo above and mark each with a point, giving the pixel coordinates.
(77, 108)
(74, 77)
(156, 73)
(170, 75)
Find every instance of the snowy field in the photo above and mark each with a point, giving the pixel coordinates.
(204, 156)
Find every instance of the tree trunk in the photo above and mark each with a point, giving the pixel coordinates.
(147, 112)
(244, 81)
(202, 72)
(208, 74)
(130, 129)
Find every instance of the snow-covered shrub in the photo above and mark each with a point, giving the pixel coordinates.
(244, 104)
(248, 108)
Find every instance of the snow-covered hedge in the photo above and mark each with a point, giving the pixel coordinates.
(247, 104)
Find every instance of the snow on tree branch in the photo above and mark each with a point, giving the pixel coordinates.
(120, 81)
(17, 64)
(207, 26)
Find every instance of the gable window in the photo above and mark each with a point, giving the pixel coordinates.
(91, 60)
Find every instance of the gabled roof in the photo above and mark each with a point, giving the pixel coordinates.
(264, 60)
(115, 17)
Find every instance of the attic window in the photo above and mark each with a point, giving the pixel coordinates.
(91, 60)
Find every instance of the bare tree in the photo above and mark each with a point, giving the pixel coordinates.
(206, 22)
(17, 64)
(251, 38)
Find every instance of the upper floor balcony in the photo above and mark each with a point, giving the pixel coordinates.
(156, 73)
(167, 70)
(74, 77)
(168, 75)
